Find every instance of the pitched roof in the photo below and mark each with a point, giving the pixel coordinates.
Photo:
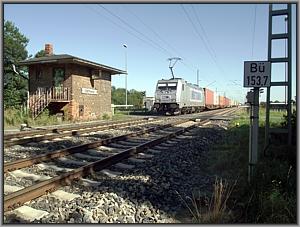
(66, 58)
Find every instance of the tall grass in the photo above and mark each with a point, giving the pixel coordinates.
(272, 196)
(213, 209)
(13, 118)
(218, 204)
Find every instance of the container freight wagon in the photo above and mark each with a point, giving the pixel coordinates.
(176, 96)
(233, 103)
(221, 101)
(226, 102)
(216, 101)
(209, 99)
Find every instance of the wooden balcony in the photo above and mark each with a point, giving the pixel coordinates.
(43, 96)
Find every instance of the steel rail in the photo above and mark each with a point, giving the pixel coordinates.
(68, 132)
(22, 163)
(62, 128)
(20, 197)
(55, 129)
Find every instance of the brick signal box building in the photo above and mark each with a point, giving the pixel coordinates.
(78, 88)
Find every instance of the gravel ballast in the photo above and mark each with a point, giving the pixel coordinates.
(150, 192)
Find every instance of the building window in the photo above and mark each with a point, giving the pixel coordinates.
(58, 77)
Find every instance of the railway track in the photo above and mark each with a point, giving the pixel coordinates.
(25, 137)
(132, 144)
(37, 136)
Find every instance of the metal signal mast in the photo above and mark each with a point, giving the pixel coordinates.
(171, 66)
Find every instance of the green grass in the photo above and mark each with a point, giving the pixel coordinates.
(13, 118)
(271, 198)
(275, 117)
(121, 116)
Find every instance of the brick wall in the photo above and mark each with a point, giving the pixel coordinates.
(95, 105)
(76, 78)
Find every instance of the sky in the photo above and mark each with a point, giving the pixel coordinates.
(215, 39)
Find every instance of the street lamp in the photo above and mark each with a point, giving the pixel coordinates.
(125, 46)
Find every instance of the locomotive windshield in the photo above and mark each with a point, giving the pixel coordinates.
(167, 86)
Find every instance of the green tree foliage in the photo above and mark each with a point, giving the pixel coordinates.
(134, 97)
(39, 54)
(15, 86)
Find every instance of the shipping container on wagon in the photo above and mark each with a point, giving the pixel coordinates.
(227, 102)
(221, 101)
(216, 100)
(232, 102)
(209, 98)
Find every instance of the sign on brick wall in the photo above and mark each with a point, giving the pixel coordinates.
(89, 91)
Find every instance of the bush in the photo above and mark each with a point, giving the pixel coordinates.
(44, 119)
(14, 117)
(294, 125)
(105, 116)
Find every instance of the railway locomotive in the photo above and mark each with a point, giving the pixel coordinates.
(177, 96)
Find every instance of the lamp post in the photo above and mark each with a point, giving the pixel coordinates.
(125, 46)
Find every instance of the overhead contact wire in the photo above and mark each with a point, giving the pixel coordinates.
(198, 33)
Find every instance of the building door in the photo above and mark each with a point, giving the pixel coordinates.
(58, 80)
(58, 77)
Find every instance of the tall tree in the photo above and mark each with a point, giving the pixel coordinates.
(39, 54)
(135, 98)
(14, 49)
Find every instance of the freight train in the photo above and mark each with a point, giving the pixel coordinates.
(177, 96)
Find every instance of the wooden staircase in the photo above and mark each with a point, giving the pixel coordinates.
(39, 100)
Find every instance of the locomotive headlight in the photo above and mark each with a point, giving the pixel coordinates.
(173, 100)
(157, 100)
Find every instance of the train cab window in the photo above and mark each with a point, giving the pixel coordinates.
(172, 86)
(183, 87)
(162, 86)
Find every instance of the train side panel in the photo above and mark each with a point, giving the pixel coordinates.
(192, 99)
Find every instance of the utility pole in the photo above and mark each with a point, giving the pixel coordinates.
(198, 77)
(253, 134)
(257, 75)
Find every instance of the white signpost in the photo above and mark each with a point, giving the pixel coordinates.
(257, 74)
